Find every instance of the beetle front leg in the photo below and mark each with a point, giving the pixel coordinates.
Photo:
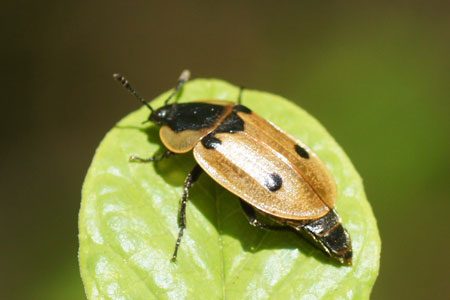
(190, 180)
(253, 220)
(155, 158)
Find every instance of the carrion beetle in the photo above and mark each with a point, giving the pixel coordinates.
(271, 172)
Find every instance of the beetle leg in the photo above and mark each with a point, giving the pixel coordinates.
(190, 180)
(253, 220)
(184, 77)
(154, 158)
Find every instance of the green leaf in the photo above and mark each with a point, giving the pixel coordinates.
(128, 221)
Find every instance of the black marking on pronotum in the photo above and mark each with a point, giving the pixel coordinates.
(273, 182)
(301, 151)
(190, 116)
(211, 142)
(232, 123)
(241, 108)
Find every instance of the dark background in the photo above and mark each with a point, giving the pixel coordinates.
(375, 74)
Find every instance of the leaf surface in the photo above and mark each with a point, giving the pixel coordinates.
(128, 220)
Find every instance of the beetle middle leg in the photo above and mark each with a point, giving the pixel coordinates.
(155, 158)
(190, 180)
(253, 220)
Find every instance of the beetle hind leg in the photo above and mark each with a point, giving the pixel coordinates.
(253, 220)
(190, 180)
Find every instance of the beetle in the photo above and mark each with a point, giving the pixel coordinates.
(271, 172)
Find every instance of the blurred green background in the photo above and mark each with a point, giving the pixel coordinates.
(377, 75)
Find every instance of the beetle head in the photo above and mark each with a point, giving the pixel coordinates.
(163, 115)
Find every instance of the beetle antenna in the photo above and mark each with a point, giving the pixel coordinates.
(127, 85)
(241, 89)
(185, 75)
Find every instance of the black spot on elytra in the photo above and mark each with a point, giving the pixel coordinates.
(301, 151)
(242, 108)
(211, 142)
(273, 182)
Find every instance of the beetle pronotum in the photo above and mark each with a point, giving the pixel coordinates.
(271, 172)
